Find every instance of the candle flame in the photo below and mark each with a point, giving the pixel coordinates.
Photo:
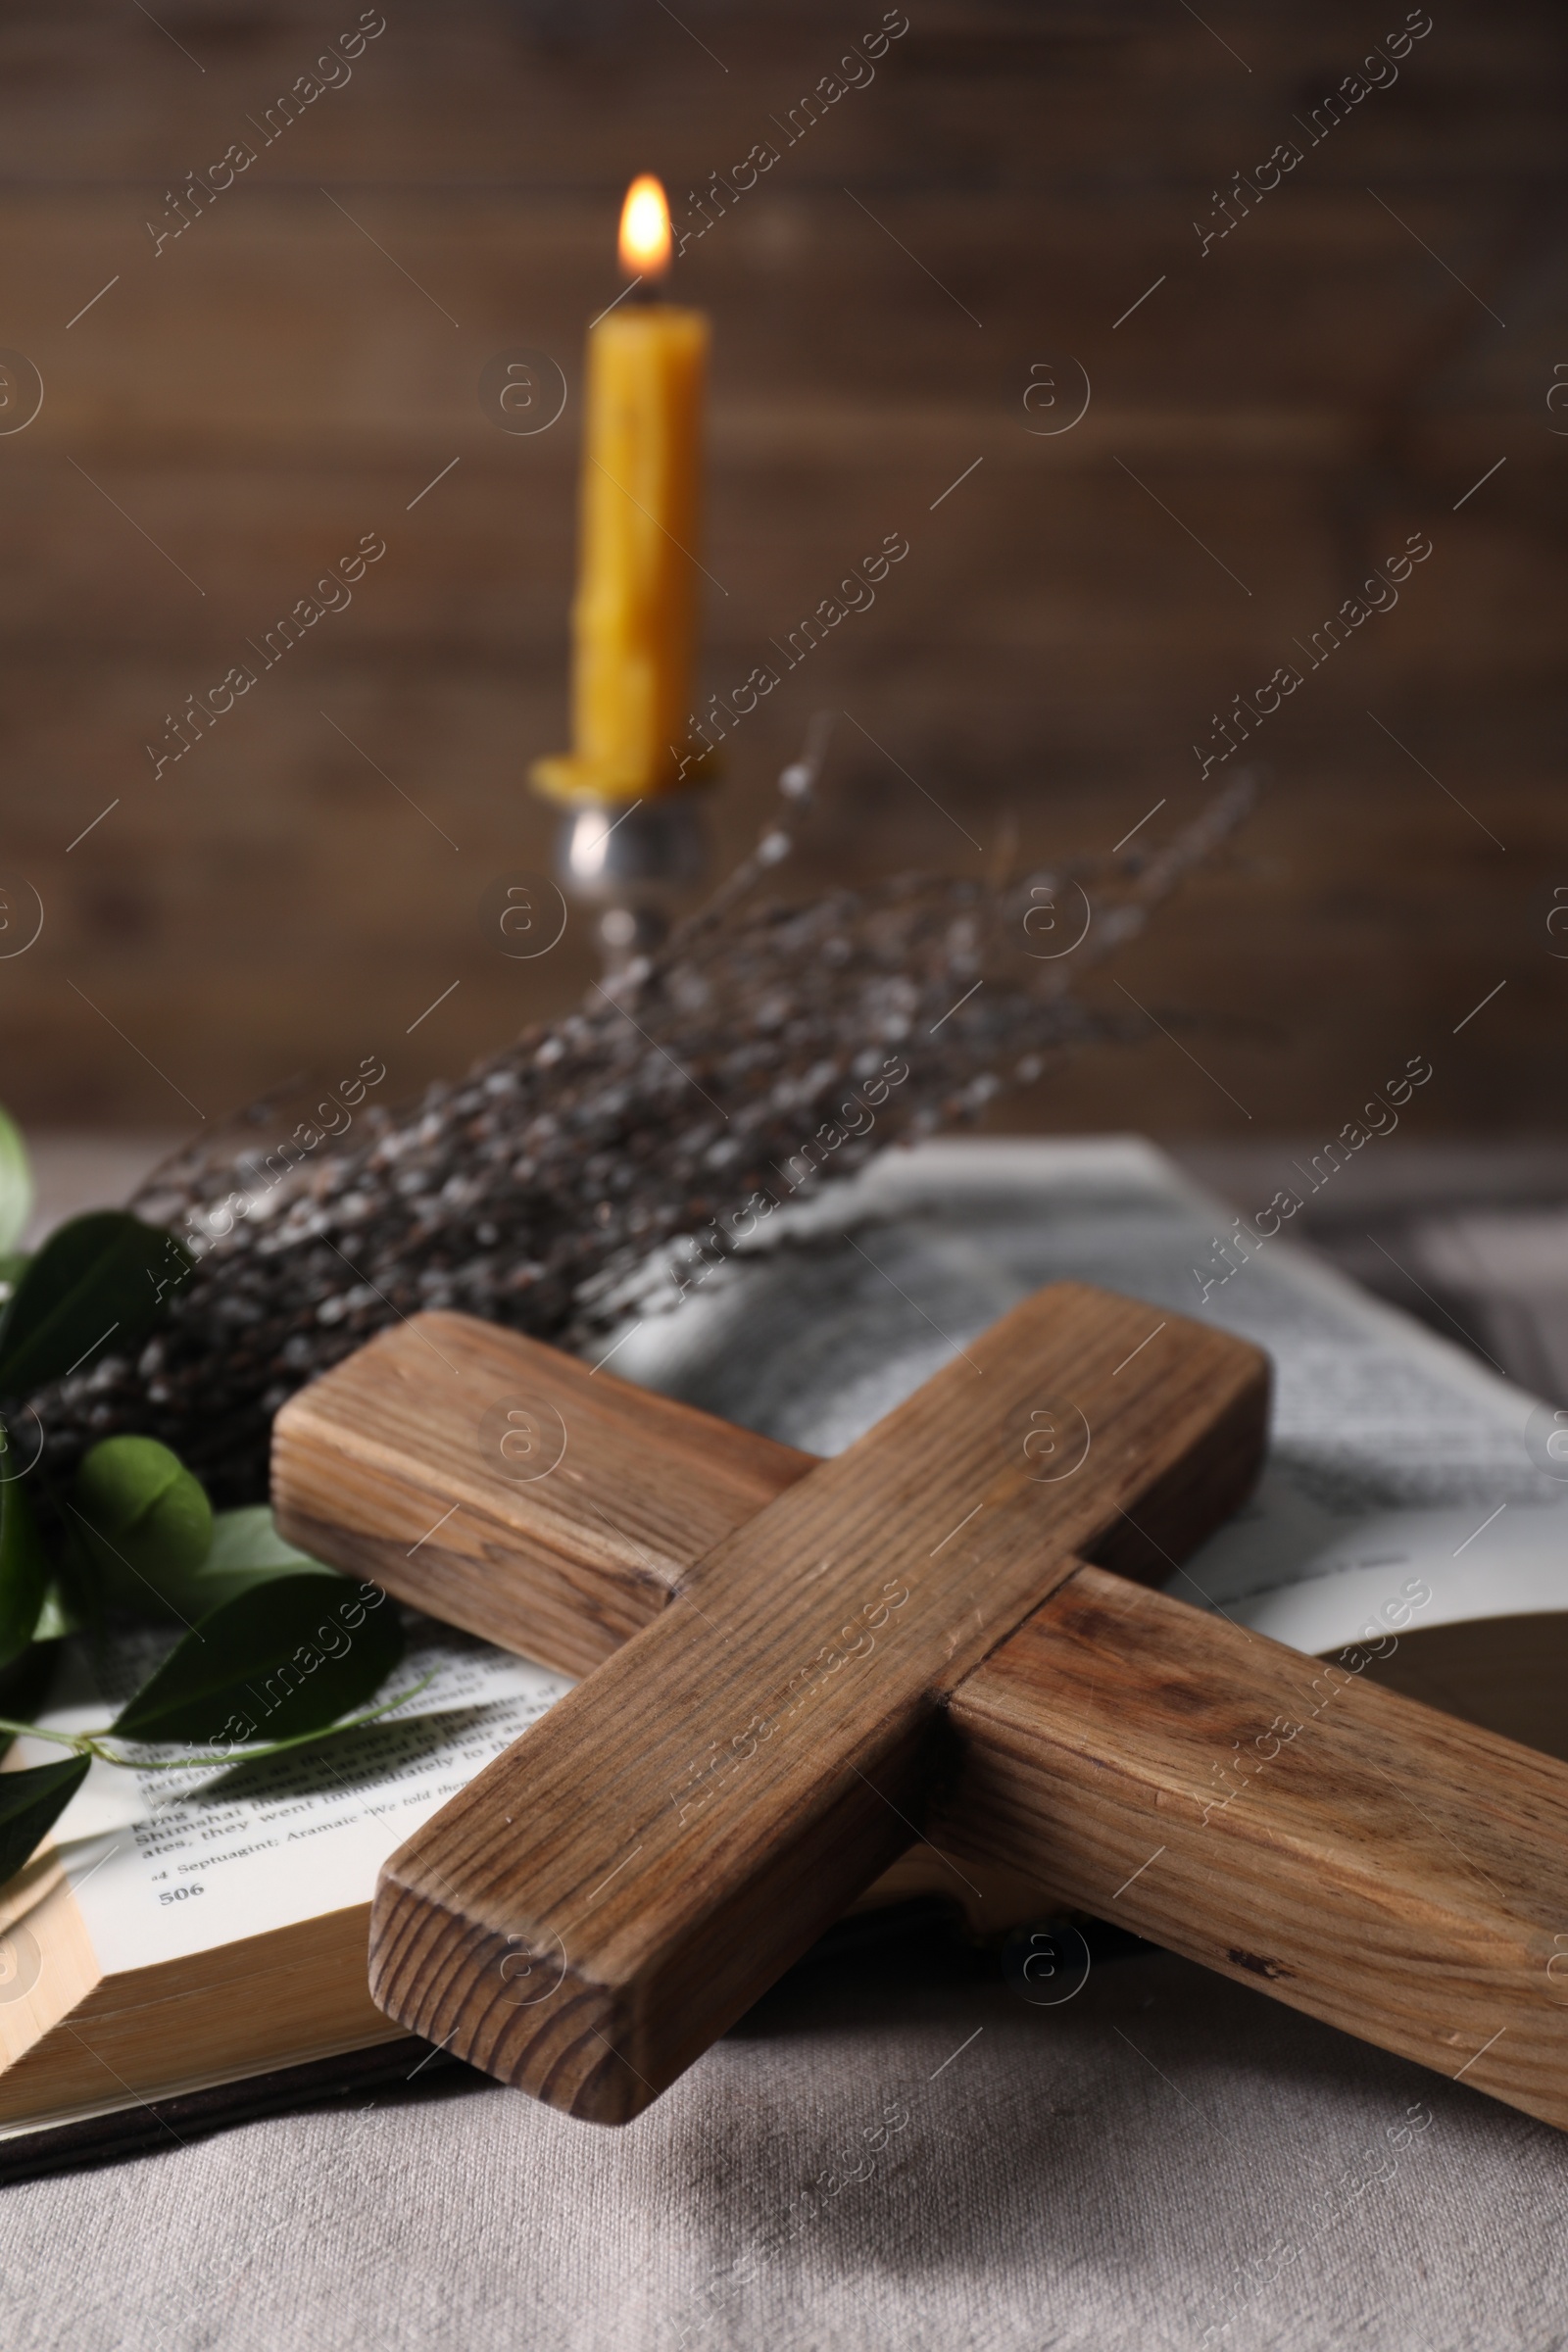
(645, 228)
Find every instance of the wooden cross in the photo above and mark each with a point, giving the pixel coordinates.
(794, 1669)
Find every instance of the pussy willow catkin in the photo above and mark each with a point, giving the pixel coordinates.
(533, 1188)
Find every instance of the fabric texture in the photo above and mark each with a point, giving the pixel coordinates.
(1164, 2159)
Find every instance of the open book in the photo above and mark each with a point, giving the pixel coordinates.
(185, 1929)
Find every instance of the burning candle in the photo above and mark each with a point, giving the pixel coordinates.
(634, 620)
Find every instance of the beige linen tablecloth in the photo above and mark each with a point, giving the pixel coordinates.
(1161, 2155)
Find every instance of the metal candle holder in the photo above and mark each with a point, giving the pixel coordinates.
(633, 865)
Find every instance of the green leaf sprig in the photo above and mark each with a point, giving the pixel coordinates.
(281, 1648)
(99, 1282)
(278, 1650)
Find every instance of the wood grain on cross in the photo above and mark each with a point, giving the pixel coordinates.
(794, 1668)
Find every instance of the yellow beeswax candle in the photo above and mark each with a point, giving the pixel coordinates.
(634, 618)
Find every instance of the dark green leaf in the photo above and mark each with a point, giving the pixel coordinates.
(24, 1683)
(30, 1803)
(16, 1185)
(245, 1549)
(285, 1656)
(58, 1616)
(98, 1284)
(23, 1570)
(144, 1522)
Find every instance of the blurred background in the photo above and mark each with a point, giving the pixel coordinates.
(910, 308)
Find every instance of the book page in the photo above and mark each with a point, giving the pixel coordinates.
(1372, 1413)
(165, 1864)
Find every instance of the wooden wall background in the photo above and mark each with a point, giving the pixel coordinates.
(241, 405)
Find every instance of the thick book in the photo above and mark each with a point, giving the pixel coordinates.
(188, 1930)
